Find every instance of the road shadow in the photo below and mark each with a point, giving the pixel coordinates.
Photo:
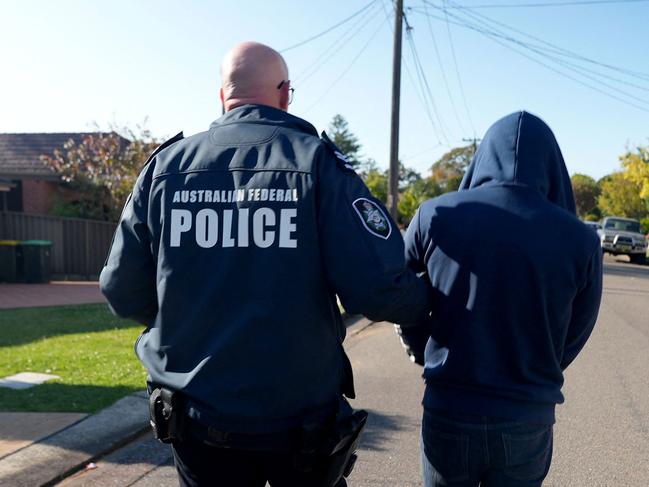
(26, 325)
(378, 434)
(625, 269)
(626, 292)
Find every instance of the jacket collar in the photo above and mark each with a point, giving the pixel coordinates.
(266, 115)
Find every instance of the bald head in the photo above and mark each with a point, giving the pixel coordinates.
(250, 73)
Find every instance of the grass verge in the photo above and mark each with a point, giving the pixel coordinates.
(89, 348)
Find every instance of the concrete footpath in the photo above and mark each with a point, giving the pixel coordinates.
(62, 453)
(56, 293)
(112, 447)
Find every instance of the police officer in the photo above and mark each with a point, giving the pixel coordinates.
(231, 250)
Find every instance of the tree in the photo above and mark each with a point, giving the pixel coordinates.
(100, 171)
(346, 141)
(636, 169)
(586, 192)
(449, 170)
(407, 176)
(377, 182)
(621, 197)
(413, 196)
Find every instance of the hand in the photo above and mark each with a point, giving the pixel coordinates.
(414, 339)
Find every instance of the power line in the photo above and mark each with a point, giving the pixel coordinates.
(484, 20)
(421, 75)
(459, 78)
(386, 13)
(420, 153)
(354, 30)
(326, 31)
(572, 67)
(544, 52)
(550, 4)
(351, 64)
(443, 72)
(585, 73)
(421, 94)
(549, 54)
(559, 50)
(496, 37)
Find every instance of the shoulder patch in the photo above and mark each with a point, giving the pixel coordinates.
(373, 218)
(164, 145)
(340, 157)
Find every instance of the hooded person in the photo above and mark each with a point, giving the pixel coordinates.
(517, 282)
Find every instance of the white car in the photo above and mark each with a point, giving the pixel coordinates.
(621, 236)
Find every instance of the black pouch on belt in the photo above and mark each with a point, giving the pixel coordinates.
(329, 450)
(166, 415)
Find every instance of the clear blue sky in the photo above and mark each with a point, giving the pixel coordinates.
(67, 64)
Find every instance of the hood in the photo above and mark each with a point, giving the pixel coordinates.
(521, 149)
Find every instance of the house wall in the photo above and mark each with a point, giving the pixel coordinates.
(38, 195)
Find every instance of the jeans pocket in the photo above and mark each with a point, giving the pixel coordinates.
(528, 454)
(448, 453)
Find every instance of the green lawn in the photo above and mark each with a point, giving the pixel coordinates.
(89, 348)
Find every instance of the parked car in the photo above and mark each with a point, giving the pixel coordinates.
(622, 236)
(593, 225)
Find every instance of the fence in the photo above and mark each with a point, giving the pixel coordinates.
(79, 247)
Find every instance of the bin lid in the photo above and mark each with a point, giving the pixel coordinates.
(10, 243)
(36, 243)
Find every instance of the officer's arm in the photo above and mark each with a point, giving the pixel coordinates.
(415, 338)
(585, 309)
(128, 278)
(363, 249)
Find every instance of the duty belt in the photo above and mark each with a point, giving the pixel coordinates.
(210, 435)
(202, 424)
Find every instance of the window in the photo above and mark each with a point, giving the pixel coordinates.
(623, 225)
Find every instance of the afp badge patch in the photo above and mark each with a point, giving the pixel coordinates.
(373, 218)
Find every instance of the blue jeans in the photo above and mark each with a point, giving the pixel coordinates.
(462, 452)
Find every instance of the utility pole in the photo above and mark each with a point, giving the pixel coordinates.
(393, 174)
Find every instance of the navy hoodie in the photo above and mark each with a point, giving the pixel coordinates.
(517, 278)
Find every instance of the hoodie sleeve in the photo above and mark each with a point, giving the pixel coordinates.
(414, 245)
(128, 278)
(585, 309)
(363, 249)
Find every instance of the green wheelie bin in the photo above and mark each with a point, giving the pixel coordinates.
(9, 260)
(37, 260)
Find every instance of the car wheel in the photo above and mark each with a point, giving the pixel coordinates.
(638, 259)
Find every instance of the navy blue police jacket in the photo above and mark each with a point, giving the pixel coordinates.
(517, 279)
(232, 249)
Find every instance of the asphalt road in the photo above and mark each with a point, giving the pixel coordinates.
(602, 430)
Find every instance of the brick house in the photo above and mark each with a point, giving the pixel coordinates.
(30, 186)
